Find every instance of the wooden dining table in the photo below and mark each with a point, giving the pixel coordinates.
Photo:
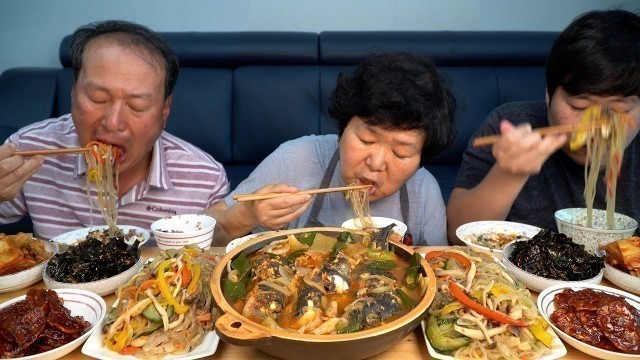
(411, 347)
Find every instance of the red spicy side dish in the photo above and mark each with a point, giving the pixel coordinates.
(600, 319)
(37, 324)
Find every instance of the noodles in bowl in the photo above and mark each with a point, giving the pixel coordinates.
(607, 138)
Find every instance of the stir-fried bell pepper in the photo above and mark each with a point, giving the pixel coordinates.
(538, 330)
(440, 341)
(446, 255)
(451, 308)
(459, 294)
(166, 292)
(120, 338)
(193, 285)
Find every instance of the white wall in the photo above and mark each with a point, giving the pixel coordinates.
(31, 30)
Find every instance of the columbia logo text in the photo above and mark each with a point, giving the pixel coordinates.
(160, 209)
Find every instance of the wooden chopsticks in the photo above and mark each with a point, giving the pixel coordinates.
(264, 196)
(51, 151)
(549, 130)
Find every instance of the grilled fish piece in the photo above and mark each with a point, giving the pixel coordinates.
(380, 238)
(335, 275)
(264, 301)
(371, 310)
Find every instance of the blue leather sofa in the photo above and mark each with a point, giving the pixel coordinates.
(240, 94)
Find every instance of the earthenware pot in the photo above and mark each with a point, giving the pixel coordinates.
(235, 329)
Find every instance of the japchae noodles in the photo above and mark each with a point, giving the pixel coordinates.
(481, 312)
(360, 204)
(607, 139)
(165, 309)
(102, 160)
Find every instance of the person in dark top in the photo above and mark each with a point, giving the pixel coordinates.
(526, 177)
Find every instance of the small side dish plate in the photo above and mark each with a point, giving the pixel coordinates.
(241, 240)
(95, 348)
(73, 237)
(469, 233)
(24, 278)
(80, 303)
(546, 307)
(558, 349)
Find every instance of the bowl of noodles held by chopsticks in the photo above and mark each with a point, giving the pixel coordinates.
(321, 292)
(603, 135)
(573, 223)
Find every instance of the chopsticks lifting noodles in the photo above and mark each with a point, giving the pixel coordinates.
(51, 151)
(550, 130)
(264, 196)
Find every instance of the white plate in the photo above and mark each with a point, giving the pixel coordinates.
(95, 348)
(24, 278)
(558, 349)
(75, 236)
(468, 232)
(239, 241)
(547, 307)
(80, 303)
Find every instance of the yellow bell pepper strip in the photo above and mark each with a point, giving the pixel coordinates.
(459, 294)
(538, 330)
(445, 255)
(120, 338)
(166, 292)
(193, 285)
(451, 308)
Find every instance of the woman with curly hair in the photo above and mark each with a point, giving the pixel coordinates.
(394, 113)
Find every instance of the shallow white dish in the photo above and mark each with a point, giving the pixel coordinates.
(379, 222)
(95, 348)
(80, 303)
(539, 283)
(241, 240)
(558, 349)
(24, 278)
(101, 287)
(469, 232)
(623, 280)
(75, 236)
(546, 308)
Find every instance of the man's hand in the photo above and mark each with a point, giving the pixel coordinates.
(15, 170)
(520, 151)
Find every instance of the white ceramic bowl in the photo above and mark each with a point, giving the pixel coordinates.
(546, 308)
(24, 278)
(80, 303)
(100, 287)
(177, 231)
(469, 232)
(241, 240)
(379, 222)
(572, 221)
(539, 283)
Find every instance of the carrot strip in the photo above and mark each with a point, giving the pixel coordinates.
(459, 294)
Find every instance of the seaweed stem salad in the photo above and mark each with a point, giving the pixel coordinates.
(312, 283)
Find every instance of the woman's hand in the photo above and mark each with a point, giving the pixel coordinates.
(15, 171)
(520, 151)
(276, 213)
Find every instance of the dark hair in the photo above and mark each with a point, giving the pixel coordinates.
(130, 35)
(598, 53)
(398, 91)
